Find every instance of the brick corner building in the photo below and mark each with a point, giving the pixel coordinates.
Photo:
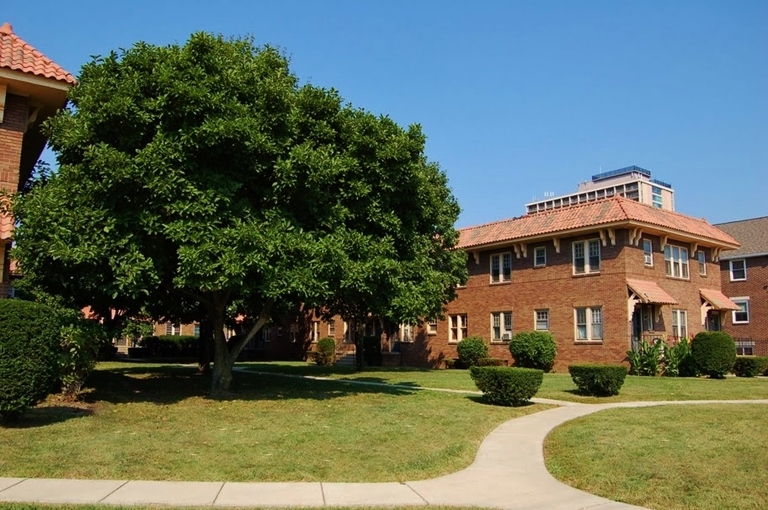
(32, 88)
(744, 278)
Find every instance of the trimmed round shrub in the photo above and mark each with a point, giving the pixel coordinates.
(598, 380)
(750, 366)
(326, 351)
(534, 349)
(470, 350)
(30, 336)
(503, 386)
(714, 353)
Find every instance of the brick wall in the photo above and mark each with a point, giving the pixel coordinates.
(755, 287)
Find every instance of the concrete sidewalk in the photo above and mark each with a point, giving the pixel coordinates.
(508, 472)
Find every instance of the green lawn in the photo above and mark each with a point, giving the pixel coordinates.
(704, 457)
(155, 422)
(555, 386)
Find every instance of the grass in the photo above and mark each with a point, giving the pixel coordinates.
(668, 457)
(154, 422)
(555, 386)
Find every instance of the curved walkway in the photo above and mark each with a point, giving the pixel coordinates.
(508, 472)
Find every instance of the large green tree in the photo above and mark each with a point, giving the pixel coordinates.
(205, 176)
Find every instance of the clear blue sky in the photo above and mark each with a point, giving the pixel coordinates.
(516, 98)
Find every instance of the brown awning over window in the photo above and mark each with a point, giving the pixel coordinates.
(718, 300)
(650, 292)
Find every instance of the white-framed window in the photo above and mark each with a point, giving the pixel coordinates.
(315, 331)
(676, 261)
(542, 320)
(332, 328)
(657, 199)
(501, 267)
(540, 256)
(266, 334)
(501, 326)
(457, 328)
(648, 252)
(196, 330)
(586, 257)
(588, 323)
(702, 258)
(432, 327)
(405, 333)
(680, 323)
(738, 270)
(172, 329)
(741, 316)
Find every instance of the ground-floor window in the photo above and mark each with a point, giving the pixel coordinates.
(332, 328)
(589, 323)
(457, 328)
(741, 316)
(542, 320)
(679, 323)
(405, 333)
(501, 326)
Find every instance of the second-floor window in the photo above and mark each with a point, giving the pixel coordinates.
(738, 270)
(647, 252)
(702, 262)
(586, 257)
(501, 267)
(540, 256)
(676, 261)
(457, 328)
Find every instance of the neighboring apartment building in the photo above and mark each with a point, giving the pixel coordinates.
(600, 276)
(744, 277)
(32, 88)
(630, 182)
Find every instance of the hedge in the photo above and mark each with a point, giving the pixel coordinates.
(30, 346)
(714, 353)
(534, 349)
(750, 366)
(170, 346)
(505, 386)
(326, 351)
(598, 380)
(471, 349)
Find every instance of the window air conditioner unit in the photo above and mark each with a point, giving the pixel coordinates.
(506, 336)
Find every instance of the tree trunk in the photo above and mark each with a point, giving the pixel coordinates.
(226, 355)
(205, 347)
(359, 353)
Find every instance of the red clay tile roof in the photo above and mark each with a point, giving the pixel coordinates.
(650, 292)
(18, 55)
(601, 212)
(718, 300)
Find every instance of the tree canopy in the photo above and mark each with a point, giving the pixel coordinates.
(204, 177)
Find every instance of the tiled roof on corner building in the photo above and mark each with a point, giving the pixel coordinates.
(752, 234)
(600, 213)
(18, 55)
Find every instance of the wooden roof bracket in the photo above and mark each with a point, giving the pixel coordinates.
(556, 241)
(517, 250)
(694, 249)
(3, 90)
(602, 238)
(716, 254)
(664, 240)
(476, 255)
(612, 236)
(634, 236)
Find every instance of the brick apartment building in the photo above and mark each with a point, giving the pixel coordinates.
(744, 279)
(600, 276)
(32, 88)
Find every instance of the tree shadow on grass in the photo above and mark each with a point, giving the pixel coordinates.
(45, 415)
(480, 399)
(165, 385)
